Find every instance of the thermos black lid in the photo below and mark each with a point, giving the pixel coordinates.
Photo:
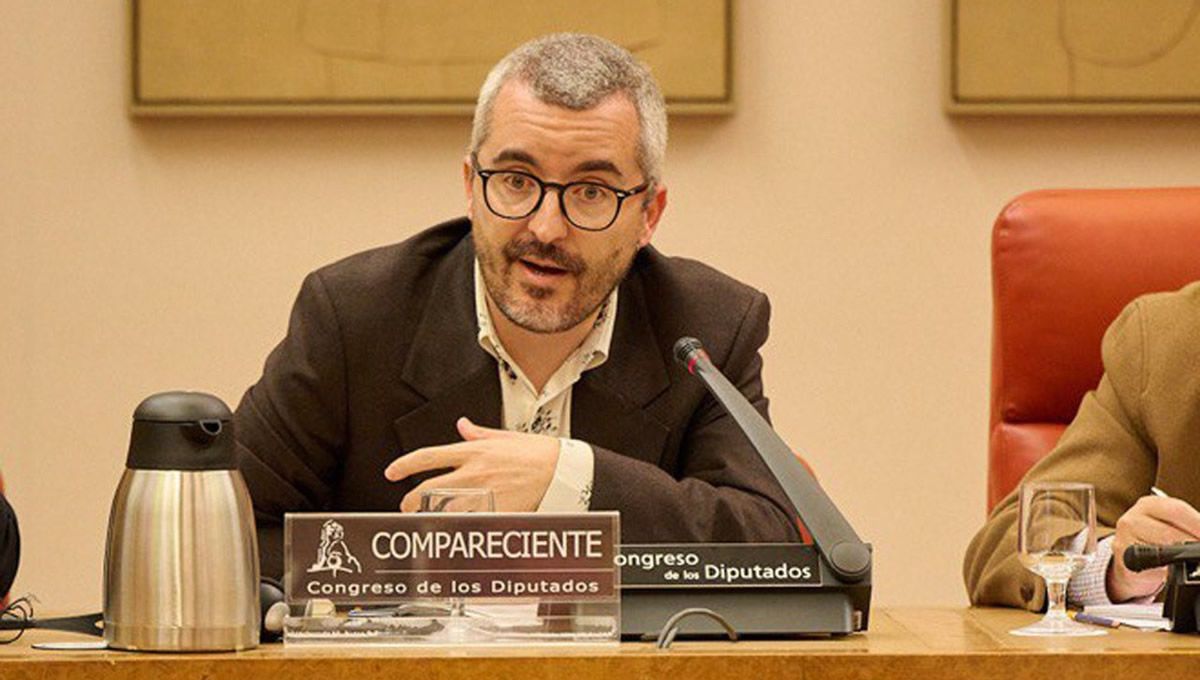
(182, 431)
(182, 407)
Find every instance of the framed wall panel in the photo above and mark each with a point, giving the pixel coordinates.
(1072, 56)
(221, 57)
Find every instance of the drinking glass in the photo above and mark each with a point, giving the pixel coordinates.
(458, 500)
(1056, 539)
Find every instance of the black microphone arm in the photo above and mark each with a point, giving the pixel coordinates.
(844, 551)
(1139, 557)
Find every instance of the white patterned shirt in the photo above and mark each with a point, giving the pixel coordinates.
(549, 412)
(1090, 586)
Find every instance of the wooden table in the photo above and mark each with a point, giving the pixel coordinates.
(914, 643)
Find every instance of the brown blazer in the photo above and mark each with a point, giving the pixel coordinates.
(1139, 427)
(381, 357)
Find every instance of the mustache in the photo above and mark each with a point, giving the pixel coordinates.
(526, 247)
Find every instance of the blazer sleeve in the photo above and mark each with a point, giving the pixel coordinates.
(1106, 445)
(10, 546)
(723, 491)
(291, 424)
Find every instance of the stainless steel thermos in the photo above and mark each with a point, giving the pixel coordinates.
(181, 564)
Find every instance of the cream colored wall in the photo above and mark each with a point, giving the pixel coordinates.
(144, 255)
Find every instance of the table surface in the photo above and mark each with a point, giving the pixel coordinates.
(902, 642)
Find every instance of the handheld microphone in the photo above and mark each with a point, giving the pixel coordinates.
(1140, 557)
(844, 551)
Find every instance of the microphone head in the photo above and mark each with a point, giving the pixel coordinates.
(1139, 557)
(685, 348)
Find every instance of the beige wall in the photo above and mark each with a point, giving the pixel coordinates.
(137, 256)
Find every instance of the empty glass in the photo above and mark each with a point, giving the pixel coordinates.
(1056, 539)
(458, 500)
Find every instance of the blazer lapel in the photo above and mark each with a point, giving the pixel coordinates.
(446, 365)
(432, 423)
(608, 405)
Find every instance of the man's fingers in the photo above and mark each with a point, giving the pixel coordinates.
(1151, 530)
(424, 460)
(472, 432)
(1173, 511)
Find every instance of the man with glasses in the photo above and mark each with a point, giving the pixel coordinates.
(527, 348)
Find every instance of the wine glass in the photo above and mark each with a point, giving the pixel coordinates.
(1056, 539)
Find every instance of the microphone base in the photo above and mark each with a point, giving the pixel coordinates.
(775, 590)
(753, 612)
(1182, 604)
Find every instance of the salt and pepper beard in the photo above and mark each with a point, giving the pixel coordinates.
(593, 284)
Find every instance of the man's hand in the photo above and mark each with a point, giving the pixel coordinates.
(1155, 521)
(517, 467)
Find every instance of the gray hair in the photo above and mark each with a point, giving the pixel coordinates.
(577, 71)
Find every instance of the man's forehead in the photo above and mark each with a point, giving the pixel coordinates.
(513, 154)
(525, 129)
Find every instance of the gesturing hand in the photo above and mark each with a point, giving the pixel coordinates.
(1155, 521)
(516, 466)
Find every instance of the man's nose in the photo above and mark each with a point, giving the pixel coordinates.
(548, 223)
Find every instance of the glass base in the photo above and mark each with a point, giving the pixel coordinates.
(1058, 626)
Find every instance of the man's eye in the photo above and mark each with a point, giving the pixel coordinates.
(517, 182)
(589, 192)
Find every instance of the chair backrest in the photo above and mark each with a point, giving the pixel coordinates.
(1064, 264)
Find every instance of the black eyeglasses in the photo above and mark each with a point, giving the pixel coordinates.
(515, 195)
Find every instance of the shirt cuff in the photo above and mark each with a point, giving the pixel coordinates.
(1089, 588)
(571, 488)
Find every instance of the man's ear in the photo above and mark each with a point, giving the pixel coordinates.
(469, 183)
(653, 211)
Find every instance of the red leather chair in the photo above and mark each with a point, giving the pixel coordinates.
(1064, 264)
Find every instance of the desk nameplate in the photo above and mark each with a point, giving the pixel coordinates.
(385, 558)
(719, 565)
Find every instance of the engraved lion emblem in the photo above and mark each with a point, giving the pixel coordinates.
(333, 555)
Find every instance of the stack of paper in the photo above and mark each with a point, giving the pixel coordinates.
(1140, 616)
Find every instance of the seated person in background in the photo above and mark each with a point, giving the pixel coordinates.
(528, 347)
(1139, 428)
(10, 546)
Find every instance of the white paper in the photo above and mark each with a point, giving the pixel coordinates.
(1140, 616)
(1153, 610)
(1145, 624)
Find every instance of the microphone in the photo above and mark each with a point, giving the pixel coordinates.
(1140, 557)
(844, 551)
